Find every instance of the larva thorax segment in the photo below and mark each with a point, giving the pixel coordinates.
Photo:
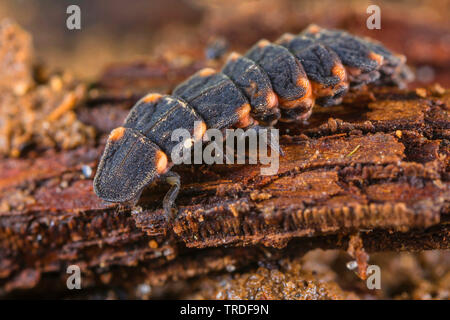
(254, 83)
(139, 152)
(287, 76)
(215, 97)
(156, 117)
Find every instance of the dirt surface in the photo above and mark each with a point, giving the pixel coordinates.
(182, 29)
(323, 275)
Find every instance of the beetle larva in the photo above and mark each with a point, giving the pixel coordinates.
(271, 82)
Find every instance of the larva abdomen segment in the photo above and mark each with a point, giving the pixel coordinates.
(216, 99)
(323, 67)
(251, 79)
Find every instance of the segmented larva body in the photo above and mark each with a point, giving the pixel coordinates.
(271, 82)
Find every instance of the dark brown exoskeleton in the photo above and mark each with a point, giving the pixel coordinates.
(271, 82)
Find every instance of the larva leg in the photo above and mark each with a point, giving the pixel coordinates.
(129, 163)
(173, 179)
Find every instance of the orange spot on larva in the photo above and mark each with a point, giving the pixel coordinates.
(233, 56)
(401, 57)
(306, 101)
(378, 58)
(199, 131)
(320, 90)
(339, 71)
(272, 100)
(244, 116)
(161, 162)
(287, 37)
(313, 28)
(262, 43)
(244, 110)
(206, 72)
(152, 97)
(117, 134)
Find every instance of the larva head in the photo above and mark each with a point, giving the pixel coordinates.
(129, 163)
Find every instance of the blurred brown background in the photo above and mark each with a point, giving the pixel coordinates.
(114, 30)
